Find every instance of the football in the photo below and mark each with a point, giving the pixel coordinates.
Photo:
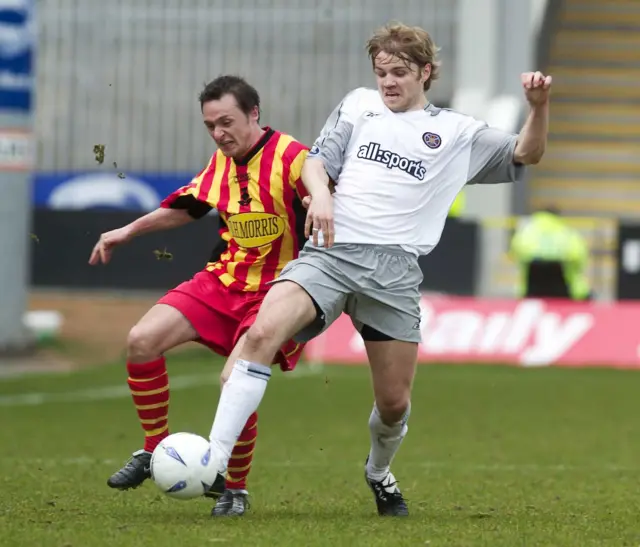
(181, 466)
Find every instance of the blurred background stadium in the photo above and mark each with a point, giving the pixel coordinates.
(99, 120)
(123, 76)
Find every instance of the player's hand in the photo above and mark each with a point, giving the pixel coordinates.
(536, 88)
(320, 218)
(108, 241)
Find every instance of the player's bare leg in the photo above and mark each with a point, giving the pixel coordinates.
(233, 500)
(160, 329)
(393, 366)
(286, 309)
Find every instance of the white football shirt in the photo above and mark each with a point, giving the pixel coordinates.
(397, 174)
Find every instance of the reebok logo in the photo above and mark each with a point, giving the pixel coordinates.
(373, 152)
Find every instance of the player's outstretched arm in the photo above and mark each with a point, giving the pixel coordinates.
(532, 140)
(160, 219)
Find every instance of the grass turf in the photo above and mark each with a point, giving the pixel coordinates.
(495, 456)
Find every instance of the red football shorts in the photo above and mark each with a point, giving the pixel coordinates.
(221, 316)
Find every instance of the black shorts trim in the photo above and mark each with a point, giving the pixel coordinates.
(369, 334)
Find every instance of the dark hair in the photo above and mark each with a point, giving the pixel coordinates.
(245, 95)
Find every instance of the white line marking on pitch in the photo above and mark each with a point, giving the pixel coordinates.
(100, 393)
(121, 391)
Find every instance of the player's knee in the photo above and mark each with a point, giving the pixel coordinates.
(392, 399)
(261, 336)
(393, 406)
(141, 344)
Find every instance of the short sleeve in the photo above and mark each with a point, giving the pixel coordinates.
(331, 144)
(191, 197)
(491, 161)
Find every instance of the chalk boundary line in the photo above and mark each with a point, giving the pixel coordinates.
(121, 391)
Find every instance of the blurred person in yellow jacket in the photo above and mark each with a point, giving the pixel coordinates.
(553, 258)
(458, 206)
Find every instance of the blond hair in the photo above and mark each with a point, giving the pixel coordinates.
(411, 44)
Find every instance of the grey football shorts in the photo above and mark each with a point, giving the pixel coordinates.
(377, 286)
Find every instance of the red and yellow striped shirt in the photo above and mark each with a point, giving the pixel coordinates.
(259, 204)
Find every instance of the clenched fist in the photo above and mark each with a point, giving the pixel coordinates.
(536, 87)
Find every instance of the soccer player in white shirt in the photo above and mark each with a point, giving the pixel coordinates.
(398, 163)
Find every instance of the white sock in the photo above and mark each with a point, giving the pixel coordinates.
(239, 398)
(385, 442)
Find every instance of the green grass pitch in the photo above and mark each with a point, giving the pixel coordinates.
(495, 456)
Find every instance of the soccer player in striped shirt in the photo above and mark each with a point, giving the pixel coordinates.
(253, 181)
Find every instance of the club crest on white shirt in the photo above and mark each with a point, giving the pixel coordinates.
(432, 140)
